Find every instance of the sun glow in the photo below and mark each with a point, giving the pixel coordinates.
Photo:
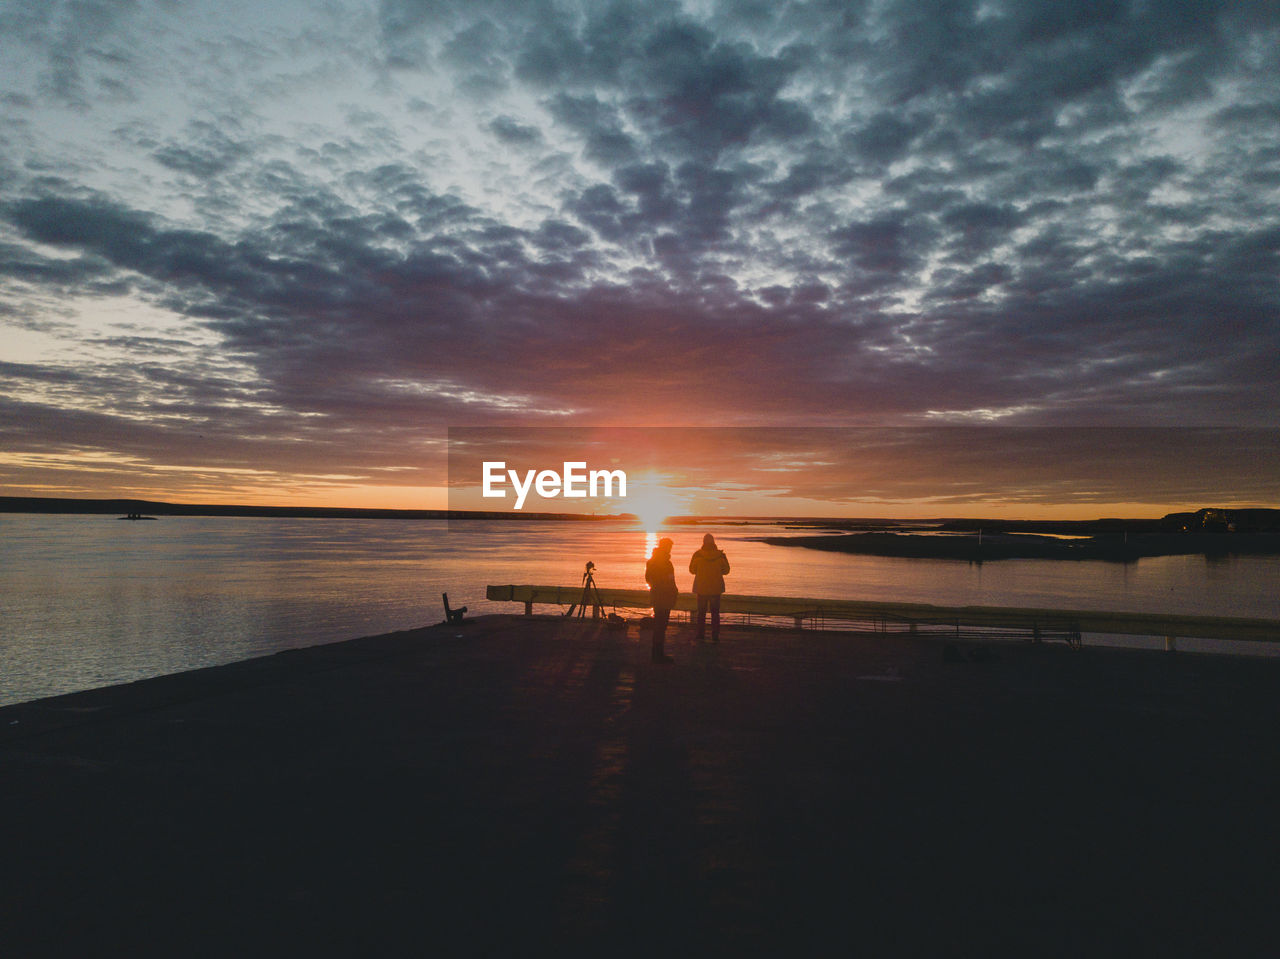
(652, 501)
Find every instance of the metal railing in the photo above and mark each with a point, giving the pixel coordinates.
(1036, 624)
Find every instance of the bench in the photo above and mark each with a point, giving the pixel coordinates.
(452, 615)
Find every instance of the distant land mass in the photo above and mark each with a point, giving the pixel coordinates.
(142, 509)
(1210, 531)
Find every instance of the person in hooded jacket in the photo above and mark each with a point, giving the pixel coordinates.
(660, 574)
(709, 566)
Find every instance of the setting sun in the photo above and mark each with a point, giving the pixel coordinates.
(652, 501)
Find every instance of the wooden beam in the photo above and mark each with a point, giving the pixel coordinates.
(912, 614)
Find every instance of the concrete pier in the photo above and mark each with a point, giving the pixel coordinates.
(513, 783)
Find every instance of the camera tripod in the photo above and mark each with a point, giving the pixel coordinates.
(589, 594)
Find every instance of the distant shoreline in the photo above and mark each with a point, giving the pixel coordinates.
(983, 548)
(153, 509)
(1251, 529)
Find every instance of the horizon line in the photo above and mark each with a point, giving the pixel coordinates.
(106, 505)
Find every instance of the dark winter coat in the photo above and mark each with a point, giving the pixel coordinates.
(661, 577)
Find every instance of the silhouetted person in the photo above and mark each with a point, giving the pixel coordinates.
(661, 577)
(709, 566)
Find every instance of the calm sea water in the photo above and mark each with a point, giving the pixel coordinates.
(87, 601)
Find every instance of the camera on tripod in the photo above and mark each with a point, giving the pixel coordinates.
(590, 594)
(591, 597)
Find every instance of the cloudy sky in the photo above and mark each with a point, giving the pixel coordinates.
(272, 252)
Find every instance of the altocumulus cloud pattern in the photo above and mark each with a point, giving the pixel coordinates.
(248, 244)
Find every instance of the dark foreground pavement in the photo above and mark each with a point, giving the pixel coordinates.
(512, 784)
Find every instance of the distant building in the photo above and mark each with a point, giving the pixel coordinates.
(1218, 519)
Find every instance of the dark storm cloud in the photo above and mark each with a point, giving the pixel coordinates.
(834, 212)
